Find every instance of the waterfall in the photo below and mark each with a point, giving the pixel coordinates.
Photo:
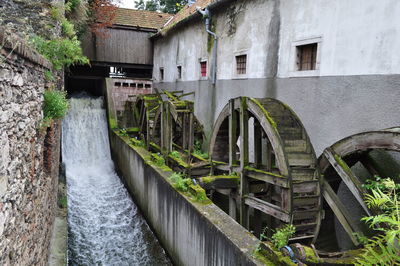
(105, 227)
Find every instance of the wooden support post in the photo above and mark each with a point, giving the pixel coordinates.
(340, 212)
(166, 130)
(347, 176)
(257, 144)
(232, 207)
(257, 222)
(269, 156)
(244, 161)
(232, 133)
(190, 139)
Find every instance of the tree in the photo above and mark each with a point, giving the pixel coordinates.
(166, 6)
(102, 13)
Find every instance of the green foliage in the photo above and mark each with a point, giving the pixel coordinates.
(198, 151)
(62, 202)
(280, 237)
(166, 6)
(158, 159)
(61, 51)
(55, 104)
(72, 5)
(180, 182)
(384, 248)
(176, 155)
(48, 75)
(138, 142)
(371, 184)
(122, 132)
(67, 28)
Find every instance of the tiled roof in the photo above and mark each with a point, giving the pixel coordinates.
(185, 12)
(140, 18)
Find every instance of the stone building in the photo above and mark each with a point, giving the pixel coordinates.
(332, 62)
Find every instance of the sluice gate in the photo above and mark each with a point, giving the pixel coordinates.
(261, 167)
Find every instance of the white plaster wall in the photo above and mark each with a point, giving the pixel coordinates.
(188, 45)
(184, 48)
(359, 37)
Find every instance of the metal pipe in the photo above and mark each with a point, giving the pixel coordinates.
(207, 16)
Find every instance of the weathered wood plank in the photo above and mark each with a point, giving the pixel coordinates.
(268, 208)
(347, 176)
(340, 211)
(268, 177)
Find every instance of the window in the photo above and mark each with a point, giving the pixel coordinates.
(307, 57)
(241, 61)
(140, 86)
(161, 73)
(179, 68)
(203, 69)
(147, 86)
(117, 84)
(125, 84)
(132, 85)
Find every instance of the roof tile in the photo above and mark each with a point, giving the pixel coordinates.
(140, 18)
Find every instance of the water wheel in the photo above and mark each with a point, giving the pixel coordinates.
(264, 142)
(140, 112)
(342, 185)
(176, 128)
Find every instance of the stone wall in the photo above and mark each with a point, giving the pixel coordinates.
(28, 17)
(28, 189)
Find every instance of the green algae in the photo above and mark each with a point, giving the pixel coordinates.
(262, 172)
(266, 113)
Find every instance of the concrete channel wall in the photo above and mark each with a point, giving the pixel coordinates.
(191, 233)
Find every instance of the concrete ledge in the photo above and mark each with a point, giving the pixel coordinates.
(191, 233)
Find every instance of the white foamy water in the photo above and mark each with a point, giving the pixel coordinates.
(105, 227)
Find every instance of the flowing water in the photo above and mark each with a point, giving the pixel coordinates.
(105, 227)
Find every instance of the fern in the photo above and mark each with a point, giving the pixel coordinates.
(383, 249)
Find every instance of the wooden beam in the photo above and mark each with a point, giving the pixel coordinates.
(268, 208)
(232, 133)
(244, 161)
(219, 182)
(269, 178)
(347, 176)
(257, 144)
(340, 212)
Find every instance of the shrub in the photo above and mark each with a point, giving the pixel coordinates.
(384, 248)
(55, 104)
(281, 236)
(60, 52)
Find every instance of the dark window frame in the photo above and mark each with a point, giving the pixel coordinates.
(179, 71)
(203, 69)
(241, 64)
(161, 74)
(306, 57)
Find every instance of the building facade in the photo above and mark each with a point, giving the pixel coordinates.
(332, 62)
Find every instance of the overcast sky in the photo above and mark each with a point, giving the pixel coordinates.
(127, 3)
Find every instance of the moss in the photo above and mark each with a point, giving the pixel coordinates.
(262, 172)
(209, 179)
(310, 255)
(179, 161)
(150, 98)
(266, 113)
(138, 142)
(132, 129)
(199, 194)
(112, 123)
(158, 160)
(259, 256)
(342, 163)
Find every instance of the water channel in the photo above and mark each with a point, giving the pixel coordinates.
(105, 226)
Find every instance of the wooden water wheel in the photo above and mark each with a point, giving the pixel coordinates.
(176, 128)
(279, 180)
(140, 112)
(335, 164)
